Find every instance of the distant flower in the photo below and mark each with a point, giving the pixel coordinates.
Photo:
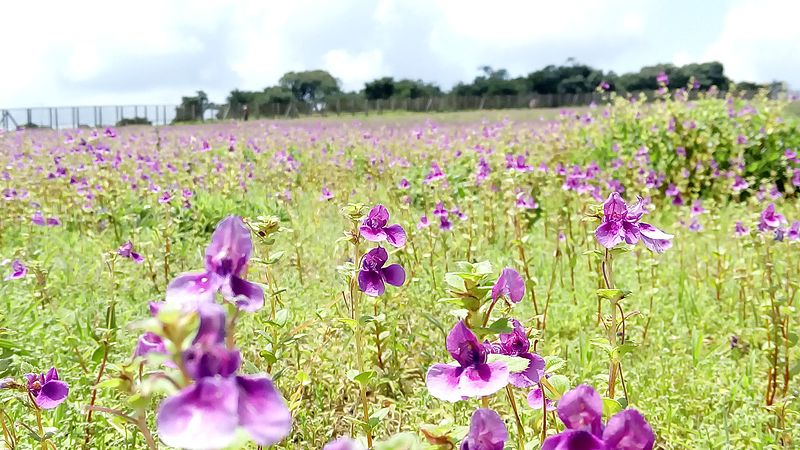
(440, 210)
(695, 225)
(423, 223)
(374, 228)
(680, 151)
(343, 443)
(126, 251)
(697, 208)
(47, 390)
(662, 78)
(372, 276)
(487, 431)
(404, 184)
(672, 190)
(581, 411)
(741, 139)
(38, 218)
(444, 224)
(435, 174)
(770, 219)
(326, 194)
(187, 193)
(510, 284)
(472, 375)
(165, 197)
(225, 267)
(739, 229)
(739, 184)
(526, 201)
(621, 224)
(794, 231)
(53, 222)
(110, 132)
(18, 270)
(150, 343)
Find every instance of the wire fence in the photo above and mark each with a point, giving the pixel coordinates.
(104, 116)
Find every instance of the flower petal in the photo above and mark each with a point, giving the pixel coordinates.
(464, 346)
(442, 382)
(487, 431)
(609, 234)
(574, 440)
(201, 416)
(581, 408)
(230, 247)
(395, 235)
(52, 394)
(372, 234)
(614, 208)
(394, 275)
(247, 296)
(654, 239)
(483, 379)
(192, 288)
(511, 284)
(531, 375)
(379, 215)
(343, 443)
(628, 430)
(371, 283)
(535, 398)
(262, 411)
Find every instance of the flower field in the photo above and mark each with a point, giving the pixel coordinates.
(622, 276)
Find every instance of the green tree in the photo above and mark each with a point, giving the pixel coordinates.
(380, 89)
(311, 86)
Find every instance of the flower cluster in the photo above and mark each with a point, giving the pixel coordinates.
(372, 275)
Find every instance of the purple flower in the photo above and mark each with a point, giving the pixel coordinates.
(435, 174)
(770, 219)
(18, 270)
(517, 344)
(373, 276)
(208, 413)
(621, 223)
(739, 184)
(404, 184)
(695, 225)
(445, 224)
(150, 343)
(226, 265)
(472, 375)
(343, 443)
(794, 231)
(510, 285)
(166, 197)
(326, 194)
(697, 208)
(374, 228)
(126, 251)
(662, 78)
(535, 398)
(110, 132)
(486, 432)
(47, 390)
(440, 210)
(581, 411)
(526, 201)
(423, 223)
(739, 229)
(38, 218)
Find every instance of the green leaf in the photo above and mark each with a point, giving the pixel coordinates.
(514, 363)
(455, 281)
(500, 326)
(361, 378)
(614, 295)
(610, 407)
(553, 363)
(560, 383)
(275, 257)
(349, 322)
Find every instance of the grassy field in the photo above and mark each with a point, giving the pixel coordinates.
(703, 342)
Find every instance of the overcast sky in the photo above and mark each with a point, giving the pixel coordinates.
(59, 53)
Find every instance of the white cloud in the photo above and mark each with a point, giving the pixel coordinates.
(760, 41)
(354, 69)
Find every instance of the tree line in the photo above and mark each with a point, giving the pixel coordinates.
(315, 88)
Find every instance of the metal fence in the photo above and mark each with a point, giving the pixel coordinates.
(103, 116)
